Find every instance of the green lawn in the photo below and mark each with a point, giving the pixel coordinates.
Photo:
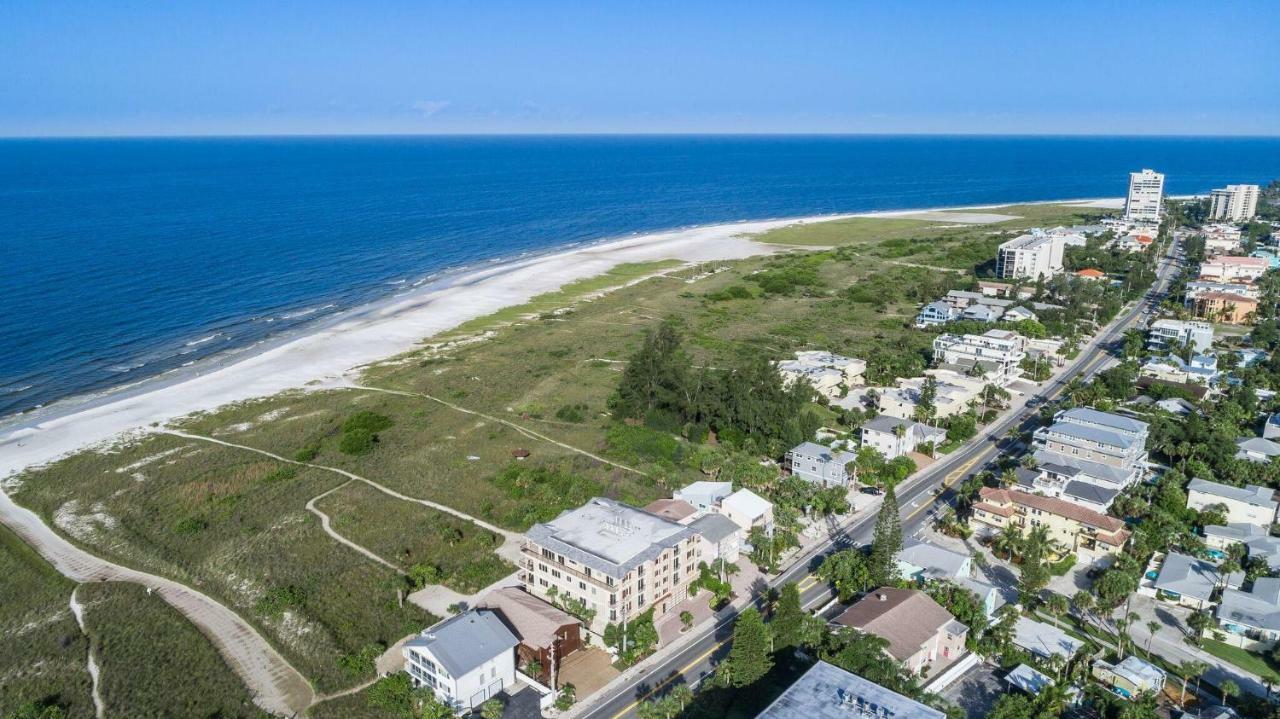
(1246, 660)
(845, 232)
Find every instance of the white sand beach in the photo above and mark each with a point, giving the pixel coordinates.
(327, 356)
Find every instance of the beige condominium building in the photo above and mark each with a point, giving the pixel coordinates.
(616, 559)
(1093, 536)
(1146, 196)
(1235, 203)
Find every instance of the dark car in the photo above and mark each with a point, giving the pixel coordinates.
(871, 490)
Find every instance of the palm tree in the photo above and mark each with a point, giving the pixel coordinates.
(1083, 603)
(1008, 541)
(1056, 605)
(1228, 689)
(1188, 669)
(1152, 626)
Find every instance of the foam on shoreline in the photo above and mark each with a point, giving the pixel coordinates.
(324, 357)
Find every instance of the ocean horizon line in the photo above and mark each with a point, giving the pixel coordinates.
(635, 135)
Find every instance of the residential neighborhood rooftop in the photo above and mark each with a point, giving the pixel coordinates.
(534, 621)
(1044, 640)
(1258, 608)
(673, 509)
(1249, 494)
(715, 527)
(609, 536)
(1187, 576)
(465, 641)
(829, 692)
(1088, 415)
(942, 562)
(904, 617)
(747, 503)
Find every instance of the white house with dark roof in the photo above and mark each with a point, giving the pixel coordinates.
(465, 660)
(1252, 619)
(882, 433)
(1249, 504)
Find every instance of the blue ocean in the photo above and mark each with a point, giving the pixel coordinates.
(123, 259)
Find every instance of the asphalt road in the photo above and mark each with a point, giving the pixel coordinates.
(918, 498)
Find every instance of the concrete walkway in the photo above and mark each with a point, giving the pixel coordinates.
(275, 685)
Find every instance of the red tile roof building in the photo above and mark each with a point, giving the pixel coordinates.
(1091, 535)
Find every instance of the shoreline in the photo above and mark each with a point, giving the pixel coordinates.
(325, 354)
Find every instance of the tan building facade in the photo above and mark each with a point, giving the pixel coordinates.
(1091, 535)
(619, 561)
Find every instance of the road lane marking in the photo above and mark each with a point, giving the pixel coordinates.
(668, 680)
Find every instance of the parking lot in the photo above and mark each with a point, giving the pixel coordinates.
(977, 691)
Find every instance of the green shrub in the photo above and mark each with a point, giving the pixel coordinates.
(307, 453)
(357, 442)
(363, 662)
(732, 292)
(276, 601)
(571, 413)
(190, 525)
(371, 422)
(280, 475)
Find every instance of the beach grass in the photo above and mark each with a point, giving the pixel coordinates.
(572, 292)
(535, 381)
(408, 534)
(232, 524)
(845, 232)
(44, 656)
(153, 662)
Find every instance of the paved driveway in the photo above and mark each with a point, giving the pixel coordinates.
(977, 691)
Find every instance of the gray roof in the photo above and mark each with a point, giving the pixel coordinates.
(715, 527)
(608, 536)
(1140, 673)
(1238, 531)
(1089, 492)
(1092, 434)
(1044, 640)
(1249, 494)
(1259, 608)
(1027, 679)
(1188, 576)
(829, 692)
(1259, 445)
(465, 641)
(982, 589)
(1087, 415)
(1267, 548)
(936, 561)
(825, 454)
(1069, 466)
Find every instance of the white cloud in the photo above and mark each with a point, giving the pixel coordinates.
(429, 108)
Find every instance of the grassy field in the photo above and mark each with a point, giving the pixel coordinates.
(44, 653)
(153, 662)
(233, 523)
(409, 534)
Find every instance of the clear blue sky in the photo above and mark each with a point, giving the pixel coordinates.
(229, 67)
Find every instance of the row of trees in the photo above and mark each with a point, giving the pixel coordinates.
(746, 405)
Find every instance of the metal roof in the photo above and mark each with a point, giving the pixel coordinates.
(1259, 608)
(1249, 494)
(1188, 576)
(829, 692)
(715, 527)
(465, 641)
(1088, 415)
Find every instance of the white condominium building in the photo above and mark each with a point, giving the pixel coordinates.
(1146, 196)
(620, 561)
(997, 354)
(1030, 256)
(1198, 335)
(1235, 203)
